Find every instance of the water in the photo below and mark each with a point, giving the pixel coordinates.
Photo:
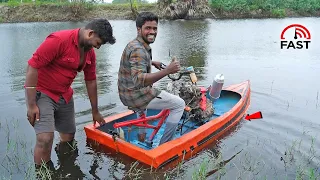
(284, 87)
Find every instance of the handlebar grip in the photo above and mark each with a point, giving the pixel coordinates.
(179, 74)
(163, 66)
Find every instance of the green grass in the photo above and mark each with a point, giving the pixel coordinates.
(277, 7)
(278, 13)
(15, 3)
(80, 8)
(64, 3)
(17, 158)
(234, 8)
(201, 172)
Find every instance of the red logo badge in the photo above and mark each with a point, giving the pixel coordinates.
(301, 37)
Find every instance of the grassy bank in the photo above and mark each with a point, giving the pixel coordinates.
(267, 8)
(48, 12)
(44, 11)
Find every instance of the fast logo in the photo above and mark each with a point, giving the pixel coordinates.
(301, 37)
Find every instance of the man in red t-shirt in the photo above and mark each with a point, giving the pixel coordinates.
(50, 73)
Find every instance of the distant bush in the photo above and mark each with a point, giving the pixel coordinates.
(278, 13)
(13, 3)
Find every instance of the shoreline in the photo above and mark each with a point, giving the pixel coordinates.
(30, 12)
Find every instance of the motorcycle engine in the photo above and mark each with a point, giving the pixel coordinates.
(191, 94)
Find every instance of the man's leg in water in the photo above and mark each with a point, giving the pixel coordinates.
(44, 129)
(176, 105)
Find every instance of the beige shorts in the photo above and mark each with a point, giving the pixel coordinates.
(54, 116)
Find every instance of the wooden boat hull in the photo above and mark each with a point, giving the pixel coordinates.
(185, 145)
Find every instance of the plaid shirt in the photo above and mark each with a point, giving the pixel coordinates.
(135, 63)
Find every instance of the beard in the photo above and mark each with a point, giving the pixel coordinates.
(87, 47)
(149, 39)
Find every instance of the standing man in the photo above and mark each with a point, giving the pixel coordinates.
(50, 73)
(135, 78)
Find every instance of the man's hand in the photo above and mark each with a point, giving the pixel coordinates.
(97, 117)
(173, 67)
(151, 78)
(33, 114)
(156, 64)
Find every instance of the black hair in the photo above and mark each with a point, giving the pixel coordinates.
(103, 29)
(145, 16)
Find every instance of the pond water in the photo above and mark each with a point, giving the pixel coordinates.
(284, 84)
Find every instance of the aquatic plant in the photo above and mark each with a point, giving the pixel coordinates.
(17, 157)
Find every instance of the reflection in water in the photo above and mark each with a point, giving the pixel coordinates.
(211, 157)
(101, 108)
(101, 156)
(186, 38)
(188, 42)
(67, 156)
(95, 165)
(16, 69)
(222, 164)
(103, 79)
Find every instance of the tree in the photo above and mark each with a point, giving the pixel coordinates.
(184, 9)
(133, 5)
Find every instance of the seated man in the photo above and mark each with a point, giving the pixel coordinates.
(135, 78)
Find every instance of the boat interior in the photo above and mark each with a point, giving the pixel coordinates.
(227, 100)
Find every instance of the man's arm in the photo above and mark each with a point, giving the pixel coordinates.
(33, 113)
(91, 84)
(151, 78)
(156, 64)
(30, 85)
(93, 94)
(138, 64)
(45, 53)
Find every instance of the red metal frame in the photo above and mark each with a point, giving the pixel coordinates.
(142, 122)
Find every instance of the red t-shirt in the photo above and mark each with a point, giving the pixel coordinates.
(57, 60)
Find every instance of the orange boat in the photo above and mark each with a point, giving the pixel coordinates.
(229, 109)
